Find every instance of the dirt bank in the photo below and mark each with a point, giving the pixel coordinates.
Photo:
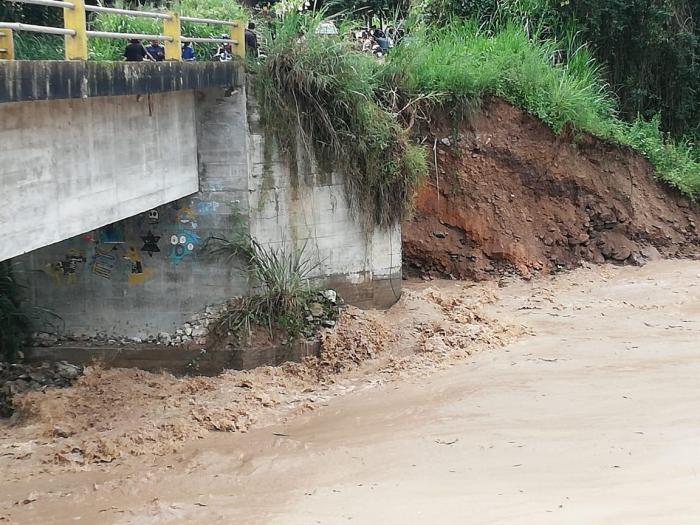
(510, 194)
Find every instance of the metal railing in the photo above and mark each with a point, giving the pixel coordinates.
(76, 33)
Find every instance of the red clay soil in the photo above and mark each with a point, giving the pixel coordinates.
(515, 196)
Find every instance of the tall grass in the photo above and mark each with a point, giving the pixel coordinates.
(560, 83)
(319, 91)
(463, 61)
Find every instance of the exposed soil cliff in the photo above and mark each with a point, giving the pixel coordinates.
(511, 194)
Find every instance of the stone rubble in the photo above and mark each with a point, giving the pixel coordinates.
(18, 378)
(192, 333)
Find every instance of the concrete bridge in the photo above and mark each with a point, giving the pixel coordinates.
(113, 175)
(86, 144)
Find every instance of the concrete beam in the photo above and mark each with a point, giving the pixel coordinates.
(25, 80)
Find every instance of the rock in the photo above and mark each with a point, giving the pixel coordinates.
(330, 295)
(136, 340)
(440, 235)
(67, 370)
(650, 253)
(164, 337)
(578, 239)
(616, 246)
(446, 142)
(316, 309)
(328, 323)
(199, 331)
(188, 329)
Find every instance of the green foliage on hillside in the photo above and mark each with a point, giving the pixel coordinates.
(649, 48)
(558, 83)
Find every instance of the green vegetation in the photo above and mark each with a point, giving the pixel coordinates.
(559, 83)
(319, 93)
(280, 276)
(15, 324)
(648, 48)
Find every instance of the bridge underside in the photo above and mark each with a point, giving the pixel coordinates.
(70, 165)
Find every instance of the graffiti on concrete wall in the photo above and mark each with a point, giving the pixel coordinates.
(104, 261)
(117, 252)
(66, 270)
(137, 272)
(184, 239)
(150, 243)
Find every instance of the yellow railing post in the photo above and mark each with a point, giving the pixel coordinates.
(7, 45)
(238, 34)
(76, 45)
(171, 28)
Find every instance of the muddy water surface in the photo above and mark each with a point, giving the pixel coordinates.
(592, 418)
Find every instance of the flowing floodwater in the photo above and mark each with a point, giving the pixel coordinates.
(590, 416)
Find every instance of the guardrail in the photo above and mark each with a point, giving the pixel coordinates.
(76, 33)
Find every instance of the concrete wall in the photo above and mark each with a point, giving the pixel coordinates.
(70, 166)
(113, 280)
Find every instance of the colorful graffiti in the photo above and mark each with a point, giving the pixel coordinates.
(104, 261)
(185, 239)
(137, 272)
(66, 270)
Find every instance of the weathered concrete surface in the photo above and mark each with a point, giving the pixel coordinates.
(149, 273)
(294, 203)
(70, 166)
(176, 360)
(49, 80)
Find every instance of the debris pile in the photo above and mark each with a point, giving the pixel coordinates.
(110, 414)
(19, 378)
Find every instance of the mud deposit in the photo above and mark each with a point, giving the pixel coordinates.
(109, 415)
(590, 419)
(511, 195)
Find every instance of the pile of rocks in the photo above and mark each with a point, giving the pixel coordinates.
(17, 378)
(322, 312)
(196, 330)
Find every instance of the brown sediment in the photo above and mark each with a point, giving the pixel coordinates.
(511, 195)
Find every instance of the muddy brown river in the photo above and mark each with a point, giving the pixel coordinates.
(592, 417)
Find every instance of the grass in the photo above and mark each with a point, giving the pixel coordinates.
(559, 83)
(319, 93)
(281, 277)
